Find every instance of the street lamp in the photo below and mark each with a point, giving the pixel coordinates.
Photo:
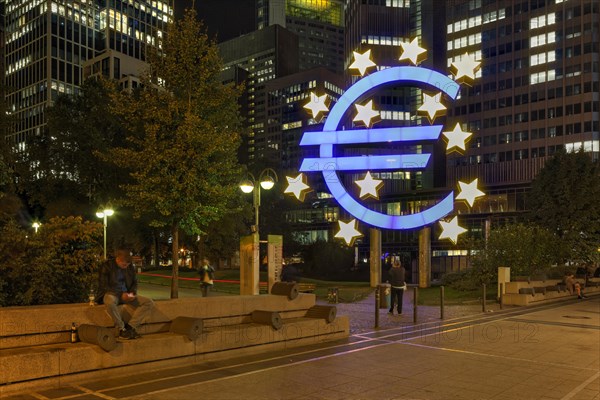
(36, 225)
(267, 179)
(105, 213)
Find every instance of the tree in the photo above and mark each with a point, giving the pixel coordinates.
(63, 171)
(183, 133)
(564, 199)
(526, 249)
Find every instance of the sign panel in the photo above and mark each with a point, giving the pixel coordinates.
(275, 258)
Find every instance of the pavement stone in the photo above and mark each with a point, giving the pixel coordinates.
(499, 358)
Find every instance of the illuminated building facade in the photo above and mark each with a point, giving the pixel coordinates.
(265, 55)
(537, 91)
(47, 42)
(319, 25)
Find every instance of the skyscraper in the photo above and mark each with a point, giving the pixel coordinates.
(47, 42)
(537, 92)
(265, 55)
(319, 25)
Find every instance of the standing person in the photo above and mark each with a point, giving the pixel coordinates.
(206, 276)
(117, 284)
(398, 285)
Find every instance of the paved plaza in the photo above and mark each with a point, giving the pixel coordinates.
(544, 352)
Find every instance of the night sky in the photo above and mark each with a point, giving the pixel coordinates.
(227, 19)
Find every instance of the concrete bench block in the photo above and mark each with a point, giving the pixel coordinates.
(17, 365)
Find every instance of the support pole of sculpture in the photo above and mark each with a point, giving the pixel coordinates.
(249, 263)
(375, 256)
(425, 257)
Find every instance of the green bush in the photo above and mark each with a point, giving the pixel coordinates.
(56, 265)
(461, 280)
(327, 260)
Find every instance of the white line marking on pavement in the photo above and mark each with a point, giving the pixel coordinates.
(529, 361)
(579, 388)
(88, 391)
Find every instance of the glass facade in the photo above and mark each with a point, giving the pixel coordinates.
(47, 43)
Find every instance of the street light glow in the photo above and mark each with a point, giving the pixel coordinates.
(104, 213)
(247, 186)
(267, 182)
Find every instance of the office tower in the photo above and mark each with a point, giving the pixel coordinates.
(319, 25)
(265, 54)
(537, 91)
(47, 43)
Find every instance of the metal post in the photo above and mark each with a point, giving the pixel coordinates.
(483, 298)
(377, 299)
(501, 295)
(415, 299)
(256, 199)
(105, 223)
(441, 302)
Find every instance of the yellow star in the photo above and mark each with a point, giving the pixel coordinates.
(366, 114)
(451, 230)
(413, 52)
(469, 192)
(317, 104)
(432, 106)
(464, 70)
(348, 232)
(456, 138)
(369, 186)
(297, 186)
(362, 62)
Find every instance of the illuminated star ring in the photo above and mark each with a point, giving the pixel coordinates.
(329, 165)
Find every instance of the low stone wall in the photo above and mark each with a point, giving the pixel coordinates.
(35, 348)
(523, 293)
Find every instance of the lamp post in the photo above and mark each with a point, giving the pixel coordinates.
(267, 179)
(105, 213)
(36, 225)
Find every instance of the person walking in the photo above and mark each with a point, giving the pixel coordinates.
(398, 284)
(206, 276)
(117, 284)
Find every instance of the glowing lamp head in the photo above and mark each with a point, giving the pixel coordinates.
(247, 186)
(267, 182)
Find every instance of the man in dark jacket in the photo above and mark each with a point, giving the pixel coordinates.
(117, 284)
(398, 285)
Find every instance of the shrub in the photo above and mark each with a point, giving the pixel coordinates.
(56, 265)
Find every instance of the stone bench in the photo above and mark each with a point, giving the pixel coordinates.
(524, 292)
(36, 350)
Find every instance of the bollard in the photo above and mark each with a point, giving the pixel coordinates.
(415, 299)
(289, 289)
(501, 296)
(377, 307)
(328, 313)
(271, 318)
(187, 326)
(483, 298)
(441, 302)
(99, 335)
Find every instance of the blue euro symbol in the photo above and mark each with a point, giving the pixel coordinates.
(330, 136)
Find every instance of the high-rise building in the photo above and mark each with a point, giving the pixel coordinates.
(319, 25)
(265, 55)
(47, 42)
(537, 91)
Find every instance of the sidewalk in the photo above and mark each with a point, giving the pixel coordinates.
(362, 313)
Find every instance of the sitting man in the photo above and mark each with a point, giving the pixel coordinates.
(117, 284)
